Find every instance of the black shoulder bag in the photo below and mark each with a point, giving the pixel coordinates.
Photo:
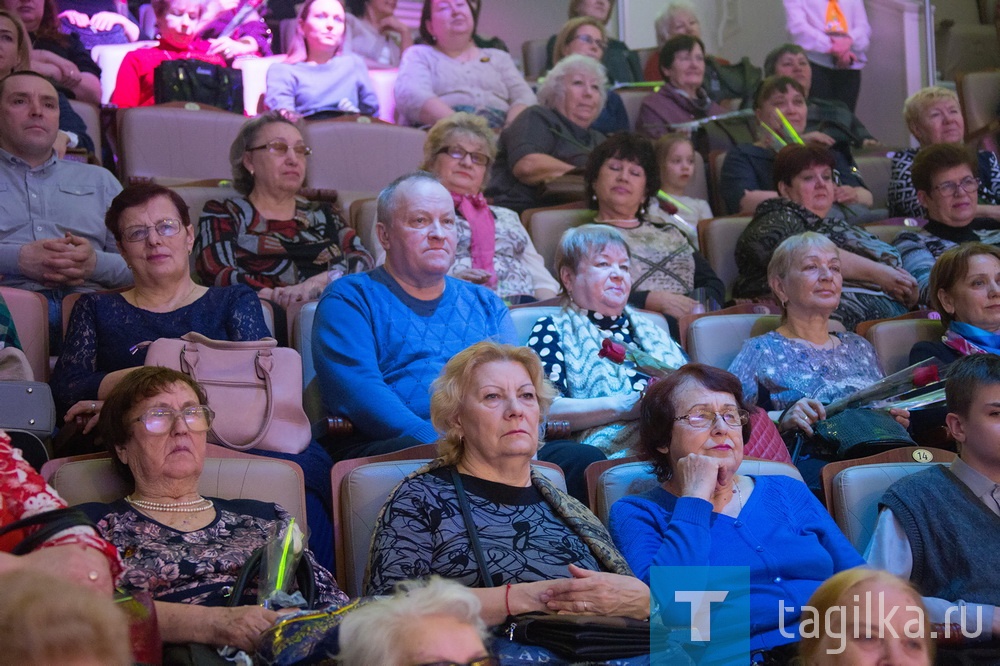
(198, 81)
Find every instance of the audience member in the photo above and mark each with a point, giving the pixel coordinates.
(449, 73)
(421, 623)
(852, 628)
(944, 177)
(43, 621)
(937, 528)
(879, 285)
(52, 209)
(286, 247)
(317, 81)
(98, 22)
(177, 22)
(375, 33)
(683, 97)
(487, 405)
(585, 35)
(748, 169)
(598, 395)
(933, 115)
(552, 138)
(828, 121)
(15, 56)
(250, 37)
(692, 428)
(185, 549)
(59, 56)
(965, 290)
(798, 368)
(675, 157)
(668, 275)
(835, 36)
(493, 247)
(391, 330)
(621, 63)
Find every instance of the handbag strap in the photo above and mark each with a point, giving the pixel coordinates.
(477, 546)
(52, 523)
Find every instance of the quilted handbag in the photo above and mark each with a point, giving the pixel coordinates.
(254, 387)
(858, 432)
(197, 81)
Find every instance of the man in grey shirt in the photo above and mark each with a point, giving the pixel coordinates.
(52, 234)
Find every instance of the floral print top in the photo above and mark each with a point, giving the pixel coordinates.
(196, 567)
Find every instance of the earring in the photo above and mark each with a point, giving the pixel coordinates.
(593, 197)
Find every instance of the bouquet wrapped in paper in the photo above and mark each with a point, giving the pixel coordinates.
(916, 387)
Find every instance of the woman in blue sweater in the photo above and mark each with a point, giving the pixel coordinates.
(692, 428)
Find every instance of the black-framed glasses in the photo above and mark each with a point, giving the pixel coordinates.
(950, 188)
(164, 229)
(705, 418)
(159, 420)
(482, 661)
(592, 41)
(279, 147)
(458, 153)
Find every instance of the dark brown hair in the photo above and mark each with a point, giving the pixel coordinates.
(425, 16)
(657, 411)
(140, 384)
(934, 159)
(795, 158)
(951, 268)
(773, 84)
(966, 376)
(630, 147)
(137, 195)
(675, 45)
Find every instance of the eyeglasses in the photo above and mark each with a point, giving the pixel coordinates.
(482, 661)
(164, 229)
(705, 418)
(279, 147)
(592, 41)
(951, 188)
(458, 154)
(159, 420)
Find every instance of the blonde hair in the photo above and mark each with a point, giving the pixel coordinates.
(43, 621)
(452, 386)
(23, 41)
(917, 103)
(445, 130)
(785, 254)
(665, 144)
(836, 590)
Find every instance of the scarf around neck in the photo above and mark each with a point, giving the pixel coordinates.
(483, 228)
(977, 340)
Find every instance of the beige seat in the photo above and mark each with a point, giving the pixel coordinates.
(697, 187)
(227, 474)
(979, 93)
(893, 340)
(717, 239)
(547, 227)
(109, 58)
(362, 156)
(196, 197)
(91, 117)
(610, 480)
(254, 70)
(176, 143)
(717, 340)
(534, 57)
(30, 312)
(853, 488)
(362, 220)
(302, 331)
(359, 492)
(876, 170)
(632, 99)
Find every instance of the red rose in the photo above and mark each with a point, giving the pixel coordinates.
(612, 351)
(925, 376)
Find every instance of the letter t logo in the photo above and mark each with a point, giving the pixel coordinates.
(701, 606)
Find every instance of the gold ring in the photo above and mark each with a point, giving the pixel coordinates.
(93, 575)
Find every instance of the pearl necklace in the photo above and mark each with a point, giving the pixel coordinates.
(194, 506)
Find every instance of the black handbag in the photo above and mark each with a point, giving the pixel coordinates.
(857, 432)
(198, 81)
(577, 637)
(305, 578)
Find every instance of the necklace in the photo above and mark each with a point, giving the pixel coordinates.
(193, 506)
(618, 223)
(739, 495)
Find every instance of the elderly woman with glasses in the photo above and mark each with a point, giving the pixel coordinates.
(692, 426)
(269, 238)
(185, 549)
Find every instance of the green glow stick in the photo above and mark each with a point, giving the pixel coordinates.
(774, 135)
(285, 547)
(676, 202)
(788, 127)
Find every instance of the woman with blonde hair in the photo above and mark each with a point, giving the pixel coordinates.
(621, 62)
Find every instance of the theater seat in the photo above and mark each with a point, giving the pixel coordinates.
(893, 340)
(227, 474)
(547, 226)
(717, 340)
(362, 156)
(876, 171)
(717, 239)
(30, 312)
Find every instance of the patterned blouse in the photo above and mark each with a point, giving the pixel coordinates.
(776, 371)
(236, 245)
(196, 567)
(902, 197)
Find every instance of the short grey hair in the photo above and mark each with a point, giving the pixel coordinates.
(662, 23)
(917, 103)
(578, 243)
(792, 247)
(459, 124)
(242, 178)
(553, 90)
(388, 198)
(387, 617)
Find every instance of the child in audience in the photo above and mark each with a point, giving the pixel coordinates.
(675, 154)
